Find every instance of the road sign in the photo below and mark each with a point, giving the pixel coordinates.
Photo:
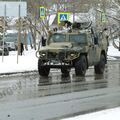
(12, 8)
(63, 16)
(42, 12)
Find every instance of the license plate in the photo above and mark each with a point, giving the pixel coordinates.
(55, 62)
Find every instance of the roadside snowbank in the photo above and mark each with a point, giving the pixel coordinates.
(112, 51)
(26, 62)
(111, 114)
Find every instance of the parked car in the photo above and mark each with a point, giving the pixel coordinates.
(11, 46)
(6, 51)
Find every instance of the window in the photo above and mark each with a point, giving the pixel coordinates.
(80, 38)
(58, 38)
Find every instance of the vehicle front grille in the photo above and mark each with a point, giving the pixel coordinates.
(52, 55)
(60, 55)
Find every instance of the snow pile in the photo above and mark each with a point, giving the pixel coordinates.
(26, 62)
(112, 114)
(113, 51)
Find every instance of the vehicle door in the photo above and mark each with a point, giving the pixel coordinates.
(93, 49)
(97, 47)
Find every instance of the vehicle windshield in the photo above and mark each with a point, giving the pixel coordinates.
(79, 38)
(57, 38)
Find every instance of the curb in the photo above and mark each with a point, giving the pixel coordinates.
(11, 73)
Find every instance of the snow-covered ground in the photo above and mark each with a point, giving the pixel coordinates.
(28, 62)
(112, 51)
(110, 114)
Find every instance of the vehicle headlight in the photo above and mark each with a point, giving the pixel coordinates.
(42, 54)
(72, 55)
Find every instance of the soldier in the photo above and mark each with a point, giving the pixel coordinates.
(21, 48)
(106, 33)
(43, 41)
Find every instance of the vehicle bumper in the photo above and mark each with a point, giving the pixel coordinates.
(57, 66)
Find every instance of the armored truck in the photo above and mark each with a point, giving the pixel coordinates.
(76, 49)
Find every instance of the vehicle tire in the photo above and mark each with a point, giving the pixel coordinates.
(81, 66)
(99, 68)
(65, 71)
(43, 70)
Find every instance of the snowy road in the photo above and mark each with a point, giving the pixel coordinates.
(30, 97)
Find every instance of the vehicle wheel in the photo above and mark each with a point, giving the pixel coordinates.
(65, 71)
(81, 66)
(43, 70)
(99, 68)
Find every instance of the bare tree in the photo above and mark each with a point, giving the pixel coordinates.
(53, 6)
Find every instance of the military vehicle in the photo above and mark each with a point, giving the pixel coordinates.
(77, 49)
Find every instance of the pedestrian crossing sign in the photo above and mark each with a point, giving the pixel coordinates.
(63, 16)
(42, 12)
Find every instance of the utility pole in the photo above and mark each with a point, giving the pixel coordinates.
(19, 32)
(4, 32)
(73, 12)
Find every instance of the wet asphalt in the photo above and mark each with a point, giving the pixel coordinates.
(82, 94)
